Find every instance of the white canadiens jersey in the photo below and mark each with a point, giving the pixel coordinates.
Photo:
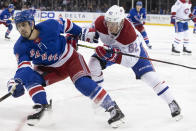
(128, 40)
(182, 9)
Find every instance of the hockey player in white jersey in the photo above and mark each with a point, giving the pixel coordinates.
(181, 14)
(119, 34)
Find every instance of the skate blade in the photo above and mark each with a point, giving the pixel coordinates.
(187, 54)
(118, 123)
(32, 122)
(7, 39)
(178, 117)
(175, 54)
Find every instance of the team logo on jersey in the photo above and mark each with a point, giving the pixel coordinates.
(186, 11)
(43, 56)
(32, 52)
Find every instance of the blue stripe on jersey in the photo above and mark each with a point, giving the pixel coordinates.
(160, 93)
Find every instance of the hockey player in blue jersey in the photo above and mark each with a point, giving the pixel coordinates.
(194, 15)
(4, 19)
(53, 60)
(138, 17)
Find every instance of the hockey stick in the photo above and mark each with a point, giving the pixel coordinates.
(9, 93)
(5, 96)
(181, 19)
(140, 57)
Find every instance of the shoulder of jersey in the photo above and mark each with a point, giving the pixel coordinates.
(20, 44)
(143, 9)
(133, 10)
(100, 25)
(50, 23)
(127, 34)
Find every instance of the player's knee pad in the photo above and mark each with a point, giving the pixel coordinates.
(178, 37)
(29, 77)
(144, 34)
(10, 27)
(186, 35)
(8, 22)
(153, 80)
(85, 85)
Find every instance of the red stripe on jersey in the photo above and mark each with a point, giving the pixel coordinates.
(100, 96)
(127, 34)
(35, 90)
(24, 63)
(68, 25)
(100, 25)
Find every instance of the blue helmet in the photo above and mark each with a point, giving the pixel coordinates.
(10, 6)
(139, 3)
(23, 16)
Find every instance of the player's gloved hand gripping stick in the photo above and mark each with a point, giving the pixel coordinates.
(15, 88)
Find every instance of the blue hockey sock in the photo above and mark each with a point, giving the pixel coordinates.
(38, 94)
(90, 88)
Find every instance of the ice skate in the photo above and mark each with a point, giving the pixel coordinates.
(175, 110)
(149, 46)
(7, 37)
(34, 119)
(186, 50)
(175, 50)
(117, 117)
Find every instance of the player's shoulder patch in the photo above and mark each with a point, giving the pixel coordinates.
(127, 34)
(100, 25)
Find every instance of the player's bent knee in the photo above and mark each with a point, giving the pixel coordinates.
(85, 85)
(153, 80)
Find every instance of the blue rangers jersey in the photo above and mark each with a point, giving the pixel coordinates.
(5, 14)
(49, 49)
(194, 11)
(137, 17)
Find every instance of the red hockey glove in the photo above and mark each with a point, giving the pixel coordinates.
(173, 18)
(111, 54)
(192, 17)
(72, 40)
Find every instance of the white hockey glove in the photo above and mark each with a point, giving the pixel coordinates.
(15, 87)
(89, 35)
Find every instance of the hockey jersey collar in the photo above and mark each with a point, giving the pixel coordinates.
(184, 1)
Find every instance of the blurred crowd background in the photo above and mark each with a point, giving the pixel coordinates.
(152, 6)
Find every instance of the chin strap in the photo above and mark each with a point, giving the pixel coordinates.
(31, 29)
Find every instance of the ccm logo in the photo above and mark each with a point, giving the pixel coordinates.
(47, 14)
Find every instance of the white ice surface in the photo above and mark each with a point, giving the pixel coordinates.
(144, 110)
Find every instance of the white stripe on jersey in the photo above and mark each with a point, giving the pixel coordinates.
(68, 25)
(24, 64)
